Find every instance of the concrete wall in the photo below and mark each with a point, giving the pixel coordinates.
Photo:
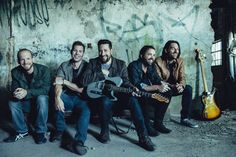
(49, 28)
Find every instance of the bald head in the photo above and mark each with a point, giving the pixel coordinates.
(25, 59)
(23, 51)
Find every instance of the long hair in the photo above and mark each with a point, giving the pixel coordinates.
(164, 55)
(144, 50)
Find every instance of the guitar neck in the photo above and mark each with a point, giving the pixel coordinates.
(204, 77)
(141, 93)
(145, 94)
(128, 90)
(119, 89)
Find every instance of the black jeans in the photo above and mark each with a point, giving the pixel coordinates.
(159, 108)
(105, 106)
(186, 101)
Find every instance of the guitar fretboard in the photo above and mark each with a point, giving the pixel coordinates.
(127, 90)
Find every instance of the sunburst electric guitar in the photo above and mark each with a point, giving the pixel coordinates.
(111, 85)
(211, 110)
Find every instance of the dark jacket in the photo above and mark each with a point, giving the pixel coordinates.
(136, 74)
(93, 72)
(164, 72)
(40, 84)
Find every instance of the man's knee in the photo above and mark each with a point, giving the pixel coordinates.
(106, 102)
(14, 105)
(188, 89)
(85, 109)
(42, 101)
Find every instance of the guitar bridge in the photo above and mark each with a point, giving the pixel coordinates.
(100, 85)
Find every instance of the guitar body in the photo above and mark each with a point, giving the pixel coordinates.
(211, 110)
(111, 85)
(97, 90)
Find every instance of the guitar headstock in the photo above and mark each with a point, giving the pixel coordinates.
(160, 98)
(199, 56)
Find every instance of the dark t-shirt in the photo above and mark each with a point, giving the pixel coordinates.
(171, 79)
(29, 77)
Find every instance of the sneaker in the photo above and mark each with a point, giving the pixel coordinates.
(162, 129)
(146, 143)
(56, 137)
(79, 148)
(16, 137)
(152, 132)
(104, 137)
(40, 138)
(187, 122)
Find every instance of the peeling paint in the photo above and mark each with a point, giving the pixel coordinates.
(89, 29)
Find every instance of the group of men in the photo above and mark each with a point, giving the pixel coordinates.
(31, 83)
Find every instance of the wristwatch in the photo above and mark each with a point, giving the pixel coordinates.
(143, 85)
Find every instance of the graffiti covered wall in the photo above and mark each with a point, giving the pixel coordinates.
(49, 27)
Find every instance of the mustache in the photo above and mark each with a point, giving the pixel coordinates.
(103, 55)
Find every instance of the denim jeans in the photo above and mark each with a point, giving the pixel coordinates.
(72, 102)
(105, 106)
(39, 105)
(186, 101)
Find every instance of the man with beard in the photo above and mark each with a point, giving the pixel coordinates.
(105, 65)
(142, 74)
(171, 69)
(68, 96)
(30, 87)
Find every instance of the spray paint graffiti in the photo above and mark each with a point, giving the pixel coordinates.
(62, 3)
(4, 10)
(31, 12)
(26, 12)
(130, 31)
(1, 57)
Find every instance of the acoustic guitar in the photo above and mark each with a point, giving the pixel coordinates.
(111, 85)
(211, 110)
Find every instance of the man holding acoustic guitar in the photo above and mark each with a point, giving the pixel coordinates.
(99, 71)
(170, 67)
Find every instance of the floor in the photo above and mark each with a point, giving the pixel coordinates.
(213, 138)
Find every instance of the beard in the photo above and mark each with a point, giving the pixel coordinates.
(105, 59)
(148, 62)
(172, 57)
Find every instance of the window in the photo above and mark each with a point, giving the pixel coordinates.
(232, 59)
(216, 52)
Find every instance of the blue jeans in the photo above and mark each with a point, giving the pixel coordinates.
(72, 102)
(106, 105)
(41, 111)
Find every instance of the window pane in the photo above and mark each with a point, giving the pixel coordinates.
(216, 52)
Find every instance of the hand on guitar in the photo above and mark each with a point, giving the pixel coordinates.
(135, 92)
